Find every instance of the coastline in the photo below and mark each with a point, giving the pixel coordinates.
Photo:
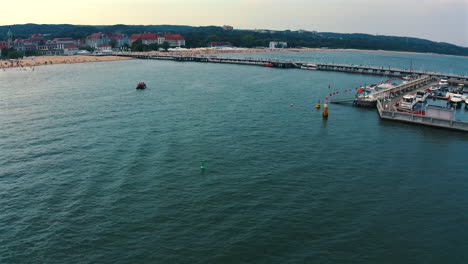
(48, 60)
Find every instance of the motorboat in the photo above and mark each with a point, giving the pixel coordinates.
(421, 96)
(443, 83)
(309, 67)
(141, 86)
(407, 102)
(434, 88)
(456, 100)
(466, 103)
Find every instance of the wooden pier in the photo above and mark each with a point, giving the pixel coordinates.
(348, 68)
(385, 93)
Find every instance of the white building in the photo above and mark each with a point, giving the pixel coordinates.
(174, 40)
(70, 50)
(97, 39)
(278, 45)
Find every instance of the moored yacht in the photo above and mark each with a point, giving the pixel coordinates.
(443, 83)
(309, 67)
(421, 96)
(434, 88)
(456, 100)
(407, 102)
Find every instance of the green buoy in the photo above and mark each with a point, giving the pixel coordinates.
(202, 166)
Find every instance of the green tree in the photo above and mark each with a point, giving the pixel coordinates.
(113, 42)
(88, 48)
(211, 38)
(14, 54)
(4, 53)
(31, 53)
(248, 41)
(153, 46)
(137, 45)
(166, 45)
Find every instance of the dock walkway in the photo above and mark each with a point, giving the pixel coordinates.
(420, 119)
(348, 68)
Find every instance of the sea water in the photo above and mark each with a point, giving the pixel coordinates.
(94, 171)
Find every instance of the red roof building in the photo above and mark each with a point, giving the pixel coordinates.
(3, 45)
(147, 38)
(175, 40)
(96, 39)
(173, 37)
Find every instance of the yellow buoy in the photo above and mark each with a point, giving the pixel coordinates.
(317, 106)
(325, 111)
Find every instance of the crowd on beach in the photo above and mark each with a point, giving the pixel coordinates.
(48, 60)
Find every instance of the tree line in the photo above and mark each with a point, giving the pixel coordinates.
(202, 36)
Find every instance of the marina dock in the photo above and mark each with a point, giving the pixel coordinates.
(386, 93)
(384, 100)
(420, 119)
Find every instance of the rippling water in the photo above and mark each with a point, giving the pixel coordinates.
(93, 171)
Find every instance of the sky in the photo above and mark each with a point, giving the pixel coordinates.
(437, 20)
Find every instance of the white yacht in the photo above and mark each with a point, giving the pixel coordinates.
(434, 88)
(443, 83)
(421, 96)
(456, 100)
(309, 67)
(407, 102)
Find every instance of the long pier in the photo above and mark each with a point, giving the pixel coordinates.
(348, 68)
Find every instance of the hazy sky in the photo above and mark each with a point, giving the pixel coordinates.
(438, 20)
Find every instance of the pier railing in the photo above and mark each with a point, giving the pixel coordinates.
(420, 119)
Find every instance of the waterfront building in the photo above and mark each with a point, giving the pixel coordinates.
(278, 45)
(226, 27)
(147, 38)
(70, 50)
(174, 40)
(97, 39)
(3, 45)
(104, 48)
(120, 38)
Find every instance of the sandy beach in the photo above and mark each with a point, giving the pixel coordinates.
(48, 60)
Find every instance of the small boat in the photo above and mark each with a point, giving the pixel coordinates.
(466, 104)
(434, 88)
(443, 83)
(141, 86)
(421, 96)
(407, 102)
(456, 100)
(309, 67)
